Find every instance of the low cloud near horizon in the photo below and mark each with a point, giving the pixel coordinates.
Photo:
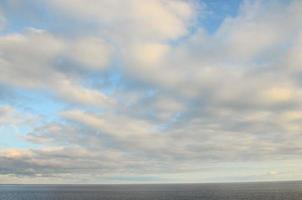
(150, 91)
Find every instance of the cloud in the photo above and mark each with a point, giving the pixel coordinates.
(28, 68)
(185, 99)
(91, 52)
(32, 60)
(133, 19)
(243, 49)
(52, 161)
(73, 92)
(12, 117)
(5, 110)
(125, 130)
(279, 94)
(293, 59)
(148, 54)
(198, 139)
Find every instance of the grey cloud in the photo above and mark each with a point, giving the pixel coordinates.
(201, 139)
(78, 161)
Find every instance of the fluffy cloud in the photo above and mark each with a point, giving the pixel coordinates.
(147, 55)
(26, 60)
(36, 60)
(133, 19)
(91, 52)
(73, 92)
(140, 29)
(125, 130)
(245, 48)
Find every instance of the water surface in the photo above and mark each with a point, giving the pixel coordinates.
(222, 191)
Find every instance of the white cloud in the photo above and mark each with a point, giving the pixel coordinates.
(27, 60)
(73, 92)
(236, 93)
(92, 52)
(117, 126)
(147, 55)
(14, 153)
(31, 60)
(134, 19)
(244, 47)
(254, 31)
(279, 94)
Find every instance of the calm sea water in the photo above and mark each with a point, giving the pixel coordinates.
(238, 191)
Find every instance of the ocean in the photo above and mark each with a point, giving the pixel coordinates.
(211, 191)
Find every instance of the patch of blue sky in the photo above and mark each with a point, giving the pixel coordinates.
(10, 137)
(13, 134)
(21, 15)
(170, 122)
(114, 79)
(211, 14)
(106, 82)
(217, 11)
(40, 103)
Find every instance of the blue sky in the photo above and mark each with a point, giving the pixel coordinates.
(150, 91)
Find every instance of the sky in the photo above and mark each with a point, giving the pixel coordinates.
(150, 91)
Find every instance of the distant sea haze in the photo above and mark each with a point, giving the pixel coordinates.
(210, 191)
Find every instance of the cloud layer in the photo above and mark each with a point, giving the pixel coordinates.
(142, 89)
